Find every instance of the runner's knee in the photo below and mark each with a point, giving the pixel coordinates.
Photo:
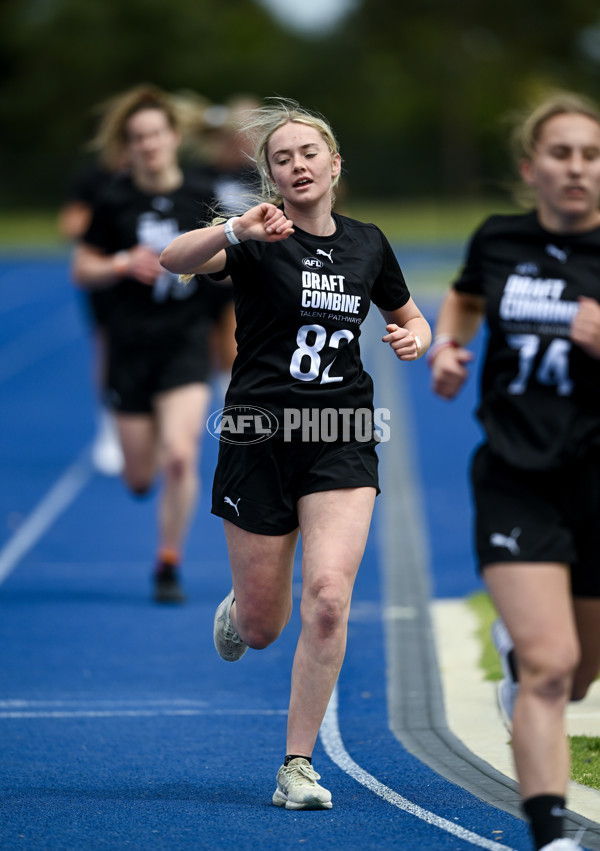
(179, 460)
(549, 675)
(325, 609)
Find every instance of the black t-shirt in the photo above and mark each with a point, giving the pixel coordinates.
(89, 182)
(299, 307)
(540, 394)
(123, 217)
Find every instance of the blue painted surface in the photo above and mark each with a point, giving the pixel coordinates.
(445, 435)
(129, 731)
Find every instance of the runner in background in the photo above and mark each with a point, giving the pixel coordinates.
(157, 328)
(229, 150)
(88, 183)
(534, 279)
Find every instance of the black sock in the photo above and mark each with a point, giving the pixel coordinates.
(512, 664)
(545, 813)
(290, 756)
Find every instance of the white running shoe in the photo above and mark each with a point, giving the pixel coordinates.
(508, 688)
(297, 787)
(228, 643)
(563, 844)
(506, 694)
(107, 455)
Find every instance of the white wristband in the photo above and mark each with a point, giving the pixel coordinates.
(231, 237)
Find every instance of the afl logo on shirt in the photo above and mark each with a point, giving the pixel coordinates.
(527, 269)
(312, 263)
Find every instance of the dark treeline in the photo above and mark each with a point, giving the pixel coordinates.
(416, 89)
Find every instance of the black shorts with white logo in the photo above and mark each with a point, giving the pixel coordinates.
(257, 486)
(138, 372)
(524, 516)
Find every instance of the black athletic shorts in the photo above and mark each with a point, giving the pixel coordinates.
(539, 516)
(97, 307)
(137, 372)
(257, 486)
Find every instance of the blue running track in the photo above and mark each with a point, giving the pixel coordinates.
(120, 727)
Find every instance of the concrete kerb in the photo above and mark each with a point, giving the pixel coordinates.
(470, 701)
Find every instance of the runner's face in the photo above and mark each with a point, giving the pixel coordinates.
(301, 164)
(151, 142)
(565, 172)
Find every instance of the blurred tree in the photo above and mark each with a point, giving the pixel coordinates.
(415, 90)
(433, 80)
(61, 57)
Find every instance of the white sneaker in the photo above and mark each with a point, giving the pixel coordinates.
(563, 844)
(228, 643)
(107, 455)
(297, 787)
(508, 688)
(506, 694)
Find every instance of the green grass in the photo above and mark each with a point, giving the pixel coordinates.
(585, 760)
(585, 750)
(30, 229)
(425, 221)
(421, 221)
(483, 608)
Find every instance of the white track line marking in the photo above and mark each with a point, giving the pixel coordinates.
(57, 500)
(171, 703)
(20, 708)
(134, 713)
(334, 747)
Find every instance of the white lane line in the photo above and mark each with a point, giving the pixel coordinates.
(334, 747)
(135, 713)
(23, 703)
(57, 500)
(21, 708)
